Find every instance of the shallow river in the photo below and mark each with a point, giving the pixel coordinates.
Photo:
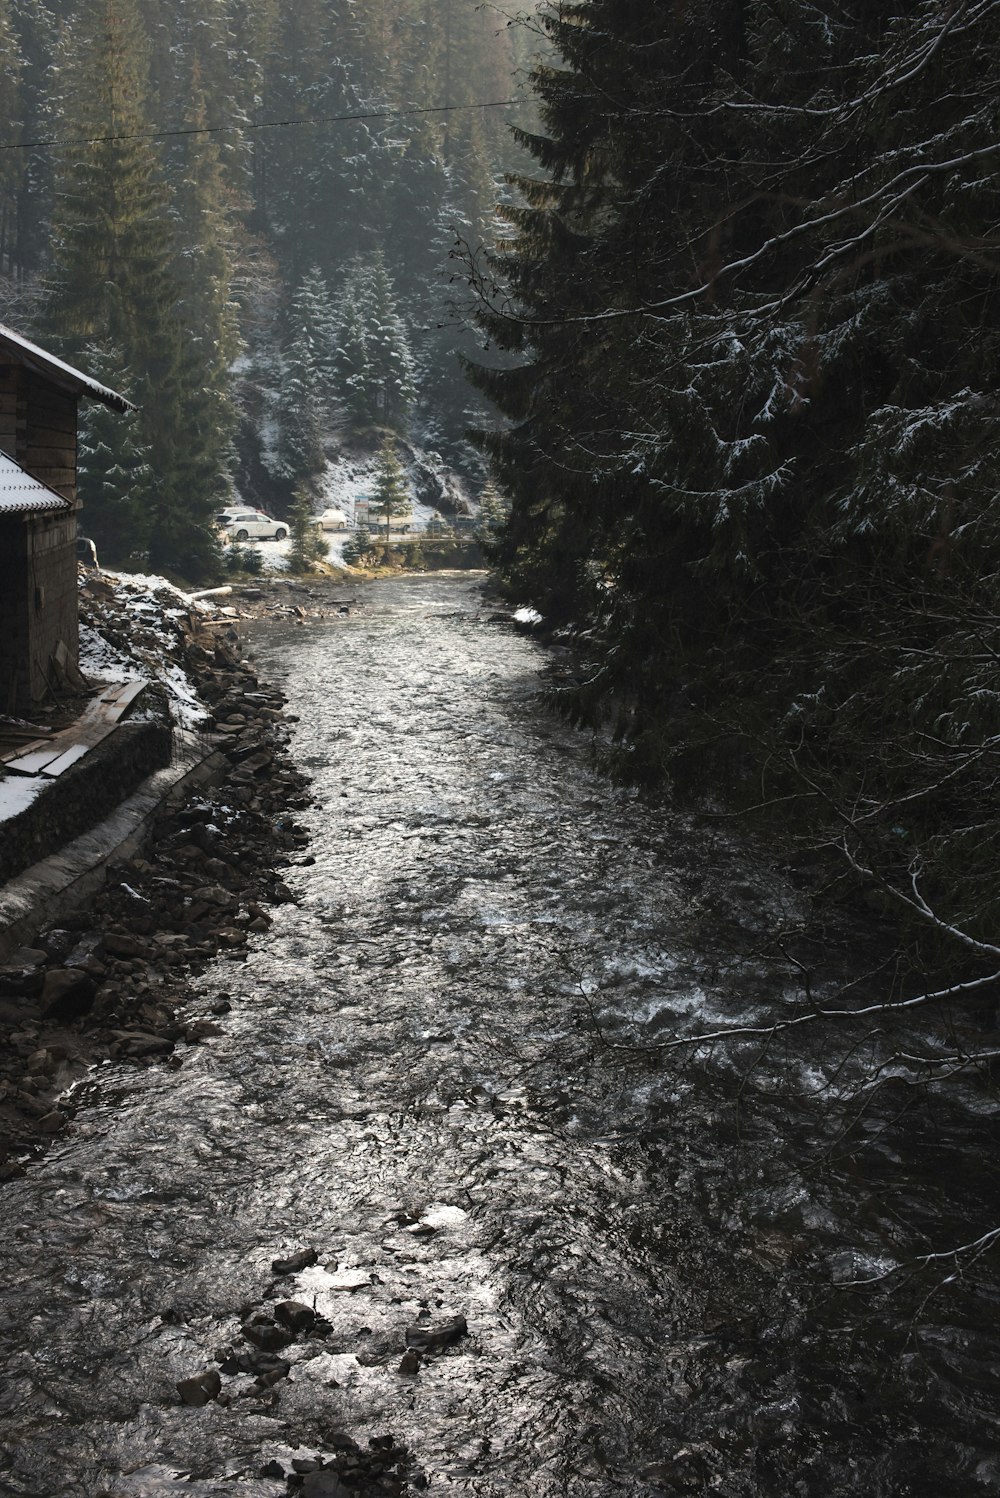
(440, 1072)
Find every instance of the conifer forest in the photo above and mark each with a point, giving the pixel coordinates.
(240, 213)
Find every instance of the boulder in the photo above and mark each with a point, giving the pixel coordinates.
(294, 1314)
(200, 1389)
(433, 1338)
(67, 994)
(301, 1260)
(266, 1334)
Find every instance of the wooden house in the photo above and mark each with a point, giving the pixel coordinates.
(39, 628)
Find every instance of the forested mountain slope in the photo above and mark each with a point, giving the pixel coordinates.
(241, 213)
(753, 291)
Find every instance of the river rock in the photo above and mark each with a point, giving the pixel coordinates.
(26, 957)
(301, 1260)
(200, 1389)
(120, 944)
(217, 895)
(67, 994)
(295, 1315)
(52, 1123)
(139, 1043)
(57, 943)
(433, 1338)
(88, 954)
(265, 1333)
(324, 1484)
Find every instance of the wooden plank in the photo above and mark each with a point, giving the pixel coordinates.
(34, 763)
(56, 478)
(18, 751)
(125, 692)
(98, 720)
(75, 752)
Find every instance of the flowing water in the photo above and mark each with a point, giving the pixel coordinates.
(441, 1072)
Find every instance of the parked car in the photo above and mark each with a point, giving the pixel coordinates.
(250, 525)
(331, 519)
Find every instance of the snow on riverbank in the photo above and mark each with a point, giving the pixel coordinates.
(129, 627)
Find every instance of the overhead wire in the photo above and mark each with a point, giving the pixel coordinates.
(247, 126)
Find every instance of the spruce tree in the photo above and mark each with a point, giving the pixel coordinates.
(751, 339)
(308, 543)
(354, 374)
(112, 280)
(392, 362)
(391, 497)
(374, 362)
(116, 481)
(300, 444)
(12, 163)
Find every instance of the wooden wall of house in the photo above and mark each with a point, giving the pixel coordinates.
(53, 600)
(38, 425)
(15, 635)
(9, 383)
(38, 606)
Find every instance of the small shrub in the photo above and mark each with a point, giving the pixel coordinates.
(243, 559)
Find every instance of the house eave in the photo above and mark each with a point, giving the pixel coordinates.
(64, 376)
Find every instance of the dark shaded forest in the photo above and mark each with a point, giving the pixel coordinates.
(752, 290)
(240, 214)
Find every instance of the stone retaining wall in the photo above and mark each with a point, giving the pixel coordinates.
(83, 794)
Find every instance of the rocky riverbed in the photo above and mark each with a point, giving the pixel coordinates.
(109, 981)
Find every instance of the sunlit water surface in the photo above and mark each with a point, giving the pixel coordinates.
(438, 1071)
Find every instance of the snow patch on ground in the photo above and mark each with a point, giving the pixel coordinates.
(100, 659)
(151, 604)
(16, 795)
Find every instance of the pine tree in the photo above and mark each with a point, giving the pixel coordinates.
(747, 419)
(112, 280)
(493, 508)
(358, 547)
(115, 476)
(300, 445)
(389, 347)
(391, 498)
(373, 360)
(354, 373)
(12, 163)
(308, 544)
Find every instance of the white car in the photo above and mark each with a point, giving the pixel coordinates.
(250, 525)
(331, 520)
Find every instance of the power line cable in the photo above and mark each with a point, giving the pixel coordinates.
(326, 119)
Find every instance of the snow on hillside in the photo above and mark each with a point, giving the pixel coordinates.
(434, 489)
(433, 485)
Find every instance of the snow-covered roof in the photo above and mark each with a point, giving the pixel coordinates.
(59, 373)
(20, 494)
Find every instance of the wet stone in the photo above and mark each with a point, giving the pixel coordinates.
(200, 1389)
(266, 1334)
(295, 1315)
(67, 994)
(120, 944)
(324, 1484)
(301, 1260)
(432, 1339)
